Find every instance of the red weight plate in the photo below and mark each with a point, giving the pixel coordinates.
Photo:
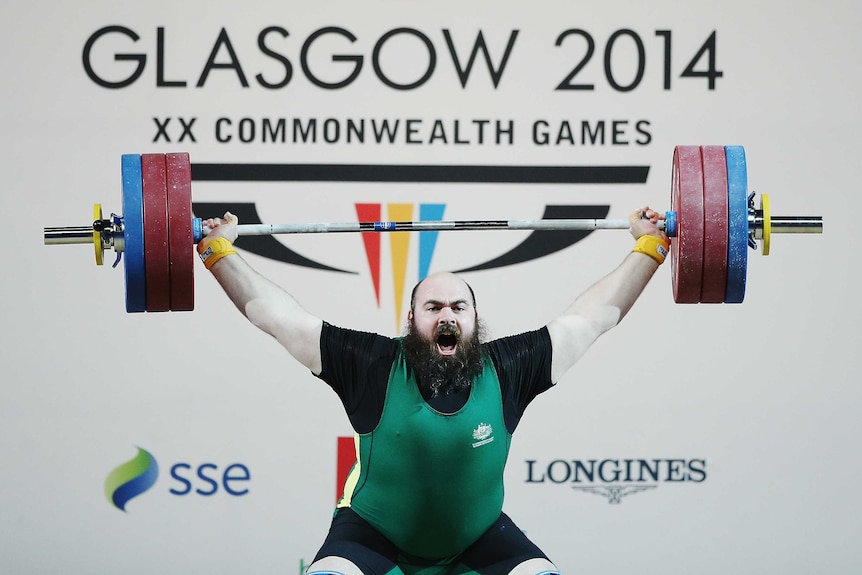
(687, 247)
(180, 230)
(715, 224)
(156, 259)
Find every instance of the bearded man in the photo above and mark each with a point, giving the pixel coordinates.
(434, 411)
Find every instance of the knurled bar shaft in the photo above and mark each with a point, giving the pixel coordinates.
(438, 225)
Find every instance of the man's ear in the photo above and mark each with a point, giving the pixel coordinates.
(409, 315)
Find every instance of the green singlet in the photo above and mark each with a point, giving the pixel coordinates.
(431, 482)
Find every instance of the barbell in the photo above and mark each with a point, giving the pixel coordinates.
(712, 223)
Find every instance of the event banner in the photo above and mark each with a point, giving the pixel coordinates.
(705, 438)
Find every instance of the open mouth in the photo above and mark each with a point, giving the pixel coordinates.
(447, 343)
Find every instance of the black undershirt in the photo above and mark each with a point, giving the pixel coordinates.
(357, 365)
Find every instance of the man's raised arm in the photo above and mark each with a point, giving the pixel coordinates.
(604, 304)
(264, 303)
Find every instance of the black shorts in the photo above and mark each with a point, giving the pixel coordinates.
(499, 550)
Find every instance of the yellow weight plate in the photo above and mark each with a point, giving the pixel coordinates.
(767, 223)
(97, 236)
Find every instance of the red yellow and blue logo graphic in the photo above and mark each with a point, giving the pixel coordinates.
(399, 244)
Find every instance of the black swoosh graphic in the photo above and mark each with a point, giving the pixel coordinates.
(537, 244)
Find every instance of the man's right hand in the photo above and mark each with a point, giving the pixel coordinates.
(222, 227)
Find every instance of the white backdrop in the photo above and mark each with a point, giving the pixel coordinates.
(755, 406)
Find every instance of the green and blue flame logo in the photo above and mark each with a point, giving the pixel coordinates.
(131, 479)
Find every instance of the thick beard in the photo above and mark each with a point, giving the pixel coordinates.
(443, 374)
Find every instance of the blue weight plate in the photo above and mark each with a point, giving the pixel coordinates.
(133, 234)
(737, 235)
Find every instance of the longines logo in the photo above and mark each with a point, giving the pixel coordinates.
(615, 479)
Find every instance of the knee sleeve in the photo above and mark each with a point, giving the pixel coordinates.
(333, 565)
(535, 566)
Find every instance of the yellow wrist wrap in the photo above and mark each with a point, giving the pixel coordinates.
(214, 250)
(653, 246)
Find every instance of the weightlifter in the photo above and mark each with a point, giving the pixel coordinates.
(434, 411)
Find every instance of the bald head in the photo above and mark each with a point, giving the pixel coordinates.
(440, 280)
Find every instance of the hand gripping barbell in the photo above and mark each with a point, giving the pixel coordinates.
(712, 223)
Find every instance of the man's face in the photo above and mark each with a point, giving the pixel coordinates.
(442, 344)
(443, 313)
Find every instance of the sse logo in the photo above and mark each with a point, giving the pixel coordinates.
(139, 475)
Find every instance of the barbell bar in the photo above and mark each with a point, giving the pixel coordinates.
(712, 223)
